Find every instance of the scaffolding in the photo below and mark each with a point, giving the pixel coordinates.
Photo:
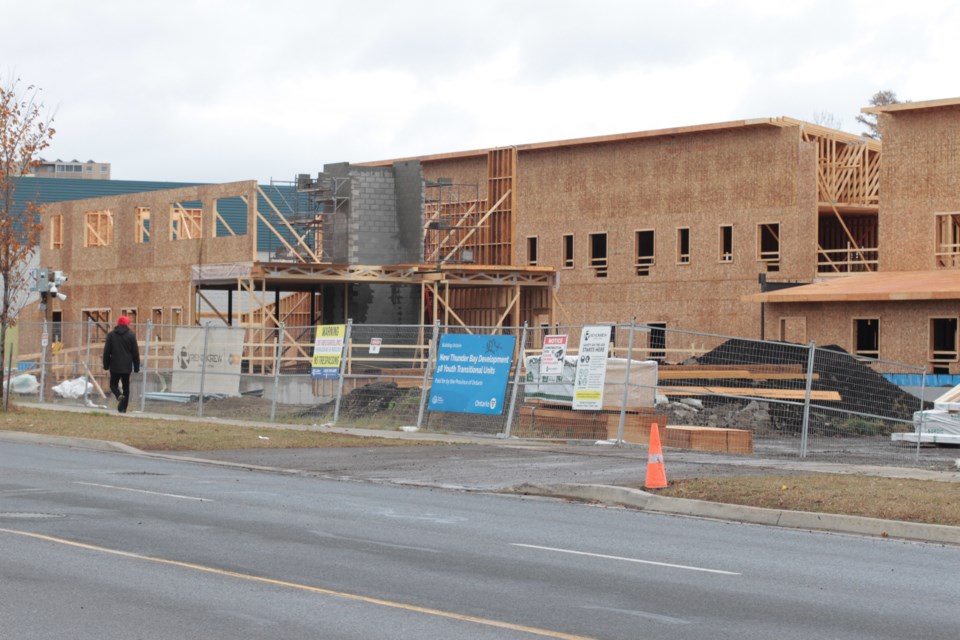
(451, 212)
(309, 202)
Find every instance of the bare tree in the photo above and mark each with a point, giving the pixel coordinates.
(880, 98)
(826, 119)
(25, 131)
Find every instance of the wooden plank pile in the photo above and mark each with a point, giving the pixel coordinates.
(764, 373)
(562, 422)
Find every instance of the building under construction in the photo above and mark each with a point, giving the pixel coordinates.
(770, 228)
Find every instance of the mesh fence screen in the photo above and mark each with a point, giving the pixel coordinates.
(705, 392)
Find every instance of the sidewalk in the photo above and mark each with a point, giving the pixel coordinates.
(599, 473)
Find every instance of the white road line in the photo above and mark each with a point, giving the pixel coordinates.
(154, 493)
(656, 617)
(20, 492)
(450, 615)
(389, 545)
(637, 560)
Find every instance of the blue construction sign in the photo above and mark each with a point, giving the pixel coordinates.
(471, 373)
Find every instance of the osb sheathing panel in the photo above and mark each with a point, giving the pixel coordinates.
(701, 181)
(717, 309)
(739, 177)
(904, 326)
(919, 176)
(130, 274)
(463, 171)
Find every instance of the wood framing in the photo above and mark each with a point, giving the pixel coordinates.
(692, 225)
(211, 273)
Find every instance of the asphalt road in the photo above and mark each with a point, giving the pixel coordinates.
(507, 464)
(109, 546)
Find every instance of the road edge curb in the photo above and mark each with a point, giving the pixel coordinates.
(639, 499)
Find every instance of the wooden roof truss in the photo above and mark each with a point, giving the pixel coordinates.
(848, 183)
(454, 229)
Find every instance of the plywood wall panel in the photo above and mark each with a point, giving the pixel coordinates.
(920, 176)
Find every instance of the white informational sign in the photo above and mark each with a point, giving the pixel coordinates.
(552, 358)
(375, 345)
(220, 368)
(591, 368)
(559, 389)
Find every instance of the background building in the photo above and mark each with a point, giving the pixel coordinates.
(75, 169)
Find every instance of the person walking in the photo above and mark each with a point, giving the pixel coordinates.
(121, 355)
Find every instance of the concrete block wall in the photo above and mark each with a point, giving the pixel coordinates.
(408, 176)
(382, 222)
(380, 225)
(374, 230)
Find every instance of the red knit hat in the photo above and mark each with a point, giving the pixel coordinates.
(123, 320)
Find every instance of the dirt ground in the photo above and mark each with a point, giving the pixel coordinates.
(490, 467)
(611, 465)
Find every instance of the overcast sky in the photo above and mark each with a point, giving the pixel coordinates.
(217, 91)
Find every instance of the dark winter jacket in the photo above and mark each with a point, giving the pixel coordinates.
(121, 353)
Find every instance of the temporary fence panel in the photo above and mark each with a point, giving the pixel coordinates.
(492, 424)
(705, 392)
(383, 378)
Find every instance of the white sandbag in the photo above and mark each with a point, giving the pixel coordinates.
(24, 383)
(75, 388)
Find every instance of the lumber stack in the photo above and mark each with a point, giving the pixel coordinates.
(636, 424)
(542, 421)
(708, 439)
(562, 422)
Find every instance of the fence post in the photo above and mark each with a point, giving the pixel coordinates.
(426, 373)
(806, 402)
(276, 371)
(6, 398)
(203, 369)
(516, 381)
(923, 414)
(344, 356)
(88, 372)
(143, 366)
(626, 383)
(43, 359)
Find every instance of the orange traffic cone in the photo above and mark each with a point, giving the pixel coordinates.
(656, 474)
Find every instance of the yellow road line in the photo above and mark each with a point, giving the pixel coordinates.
(546, 633)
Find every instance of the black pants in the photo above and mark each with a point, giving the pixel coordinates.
(120, 386)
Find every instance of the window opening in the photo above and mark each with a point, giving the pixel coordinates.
(768, 245)
(598, 254)
(101, 323)
(142, 232)
(943, 339)
(645, 253)
(947, 251)
(867, 337)
(56, 328)
(658, 341)
(683, 245)
(726, 243)
(568, 251)
(185, 223)
(56, 231)
(532, 254)
(98, 229)
(156, 319)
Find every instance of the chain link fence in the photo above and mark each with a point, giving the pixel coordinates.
(705, 392)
